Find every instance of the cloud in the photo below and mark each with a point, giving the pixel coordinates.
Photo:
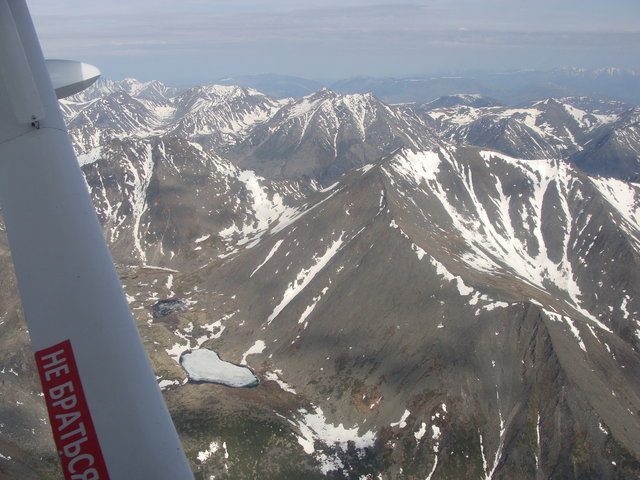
(241, 32)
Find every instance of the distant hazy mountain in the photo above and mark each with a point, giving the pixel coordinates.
(468, 100)
(276, 86)
(424, 291)
(416, 89)
(612, 83)
(511, 88)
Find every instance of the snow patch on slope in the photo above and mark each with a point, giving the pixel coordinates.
(257, 347)
(315, 427)
(483, 217)
(264, 211)
(304, 277)
(624, 197)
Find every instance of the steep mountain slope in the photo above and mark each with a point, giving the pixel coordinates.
(218, 115)
(613, 150)
(213, 115)
(116, 115)
(153, 91)
(326, 134)
(160, 199)
(412, 288)
(396, 292)
(547, 129)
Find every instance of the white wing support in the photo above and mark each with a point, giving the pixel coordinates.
(106, 411)
(70, 77)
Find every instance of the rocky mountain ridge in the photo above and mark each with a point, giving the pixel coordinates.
(324, 134)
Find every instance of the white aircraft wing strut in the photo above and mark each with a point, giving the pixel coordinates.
(106, 411)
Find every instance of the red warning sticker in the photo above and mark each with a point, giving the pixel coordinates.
(73, 430)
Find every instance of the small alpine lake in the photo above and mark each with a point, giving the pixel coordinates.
(205, 365)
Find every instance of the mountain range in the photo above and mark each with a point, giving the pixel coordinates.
(324, 134)
(428, 290)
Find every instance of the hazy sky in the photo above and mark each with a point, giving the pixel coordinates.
(186, 42)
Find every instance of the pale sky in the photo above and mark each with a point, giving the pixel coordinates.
(188, 42)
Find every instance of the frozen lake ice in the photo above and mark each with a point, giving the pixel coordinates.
(205, 365)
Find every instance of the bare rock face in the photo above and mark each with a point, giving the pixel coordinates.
(325, 134)
(614, 150)
(438, 311)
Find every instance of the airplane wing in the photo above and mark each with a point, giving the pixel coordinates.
(70, 77)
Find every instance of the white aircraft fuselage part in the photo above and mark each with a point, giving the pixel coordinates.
(70, 77)
(106, 411)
